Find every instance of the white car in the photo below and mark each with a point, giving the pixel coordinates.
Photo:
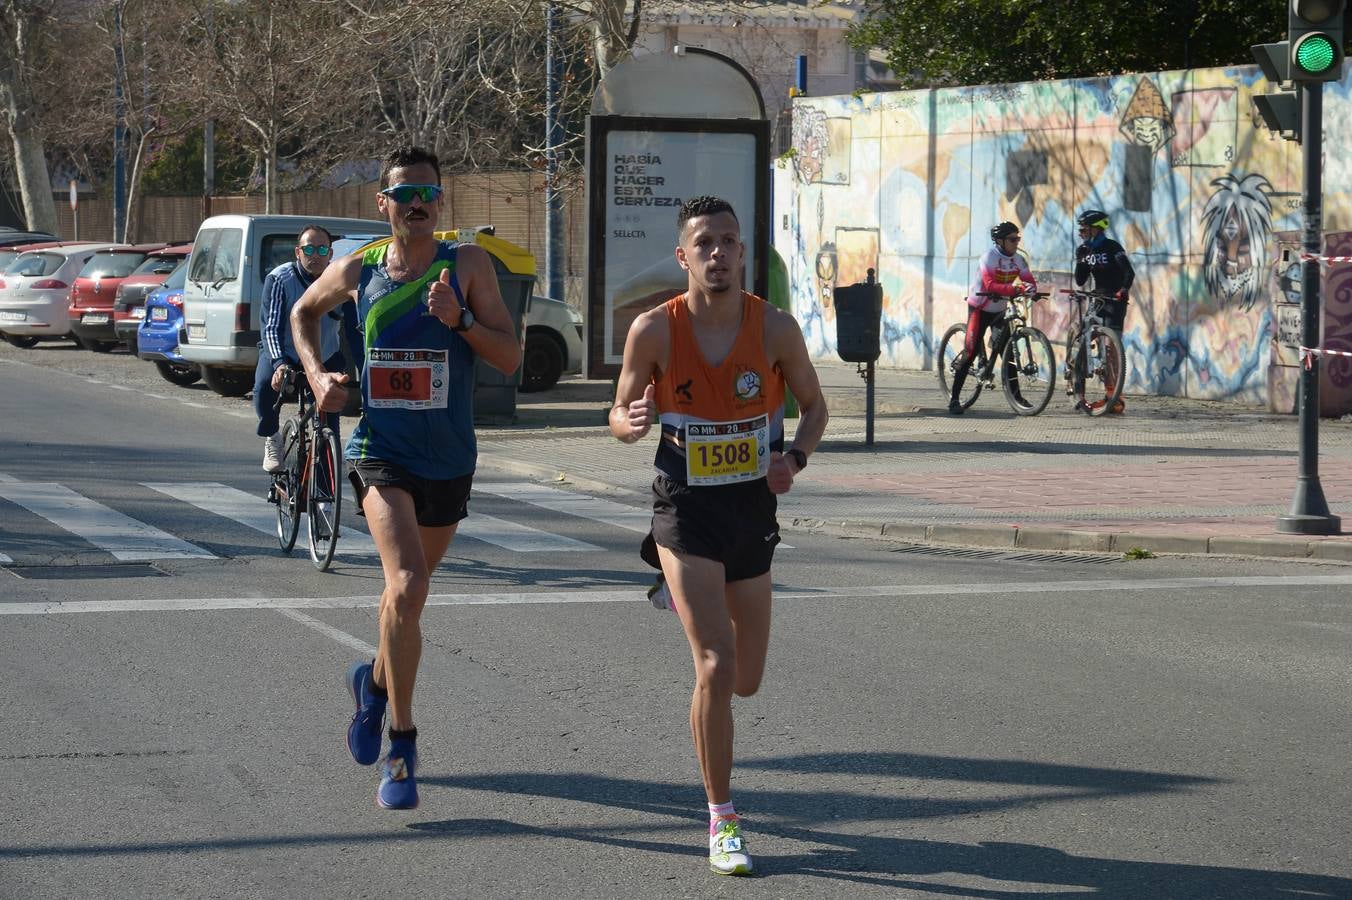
(553, 344)
(35, 291)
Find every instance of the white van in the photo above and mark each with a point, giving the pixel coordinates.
(231, 256)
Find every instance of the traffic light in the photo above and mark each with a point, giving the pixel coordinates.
(1279, 109)
(1314, 32)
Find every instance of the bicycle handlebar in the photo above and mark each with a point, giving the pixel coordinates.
(293, 384)
(1083, 293)
(1038, 295)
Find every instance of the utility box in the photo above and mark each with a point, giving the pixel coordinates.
(859, 315)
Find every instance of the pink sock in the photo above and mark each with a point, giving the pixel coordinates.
(718, 811)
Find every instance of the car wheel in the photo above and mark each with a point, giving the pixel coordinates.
(542, 363)
(176, 373)
(228, 382)
(21, 340)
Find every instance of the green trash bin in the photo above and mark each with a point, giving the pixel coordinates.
(780, 299)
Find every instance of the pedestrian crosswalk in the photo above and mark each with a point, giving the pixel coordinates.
(84, 524)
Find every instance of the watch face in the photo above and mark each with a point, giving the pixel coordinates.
(466, 320)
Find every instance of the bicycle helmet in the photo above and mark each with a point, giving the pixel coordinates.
(1093, 218)
(1004, 230)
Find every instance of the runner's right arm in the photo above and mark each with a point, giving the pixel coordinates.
(635, 411)
(335, 285)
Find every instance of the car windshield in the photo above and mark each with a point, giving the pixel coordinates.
(35, 265)
(112, 265)
(177, 278)
(157, 265)
(216, 255)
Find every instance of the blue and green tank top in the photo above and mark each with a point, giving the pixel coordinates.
(418, 377)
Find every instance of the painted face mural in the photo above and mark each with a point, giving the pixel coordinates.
(1146, 120)
(1237, 220)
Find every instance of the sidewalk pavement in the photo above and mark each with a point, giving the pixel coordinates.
(1169, 476)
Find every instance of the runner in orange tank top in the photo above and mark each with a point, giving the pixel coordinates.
(715, 361)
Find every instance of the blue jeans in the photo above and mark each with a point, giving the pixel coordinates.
(264, 397)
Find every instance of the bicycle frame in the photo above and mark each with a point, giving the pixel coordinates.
(1089, 320)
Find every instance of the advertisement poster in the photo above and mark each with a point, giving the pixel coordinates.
(649, 174)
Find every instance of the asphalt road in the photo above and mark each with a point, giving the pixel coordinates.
(929, 726)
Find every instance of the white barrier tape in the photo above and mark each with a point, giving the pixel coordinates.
(1326, 259)
(1307, 354)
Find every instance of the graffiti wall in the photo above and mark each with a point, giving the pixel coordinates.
(910, 184)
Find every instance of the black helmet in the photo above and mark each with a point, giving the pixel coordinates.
(1093, 218)
(1004, 230)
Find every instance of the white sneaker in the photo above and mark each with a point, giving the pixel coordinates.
(272, 454)
(727, 850)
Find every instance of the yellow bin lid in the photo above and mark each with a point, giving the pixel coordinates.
(515, 258)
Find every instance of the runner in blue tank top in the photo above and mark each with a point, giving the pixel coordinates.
(426, 310)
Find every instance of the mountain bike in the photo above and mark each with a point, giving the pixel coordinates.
(1028, 375)
(311, 478)
(1096, 365)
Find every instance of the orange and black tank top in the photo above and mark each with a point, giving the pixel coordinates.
(719, 423)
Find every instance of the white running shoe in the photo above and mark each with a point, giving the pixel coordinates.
(727, 849)
(272, 454)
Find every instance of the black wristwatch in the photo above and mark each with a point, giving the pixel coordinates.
(798, 456)
(466, 320)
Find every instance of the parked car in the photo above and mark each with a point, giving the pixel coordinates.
(35, 291)
(129, 301)
(553, 344)
(10, 237)
(91, 296)
(157, 333)
(231, 256)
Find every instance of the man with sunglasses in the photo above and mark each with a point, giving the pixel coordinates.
(427, 309)
(277, 352)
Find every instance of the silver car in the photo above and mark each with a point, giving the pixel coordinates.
(35, 291)
(553, 344)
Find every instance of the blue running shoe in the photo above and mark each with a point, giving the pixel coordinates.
(398, 786)
(368, 722)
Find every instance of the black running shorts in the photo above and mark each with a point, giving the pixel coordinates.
(436, 502)
(730, 523)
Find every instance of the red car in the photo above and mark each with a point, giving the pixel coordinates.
(130, 299)
(91, 297)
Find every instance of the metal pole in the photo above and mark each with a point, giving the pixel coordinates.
(555, 259)
(1309, 510)
(209, 131)
(119, 131)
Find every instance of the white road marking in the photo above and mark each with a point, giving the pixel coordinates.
(518, 538)
(254, 511)
(5, 559)
(122, 536)
(598, 509)
(635, 593)
(323, 628)
(120, 387)
(607, 512)
(5, 476)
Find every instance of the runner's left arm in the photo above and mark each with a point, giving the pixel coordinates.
(789, 350)
(492, 335)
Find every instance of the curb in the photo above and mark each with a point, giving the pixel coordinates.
(996, 537)
(1010, 537)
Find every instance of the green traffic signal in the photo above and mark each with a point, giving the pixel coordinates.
(1315, 53)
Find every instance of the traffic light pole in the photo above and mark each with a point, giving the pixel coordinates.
(1309, 510)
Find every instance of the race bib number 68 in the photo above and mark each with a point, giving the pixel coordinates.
(406, 379)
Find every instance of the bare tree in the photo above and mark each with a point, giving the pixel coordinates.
(282, 75)
(22, 27)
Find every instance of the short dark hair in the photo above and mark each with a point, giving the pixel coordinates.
(702, 206)
(313, 227)
(406, 155)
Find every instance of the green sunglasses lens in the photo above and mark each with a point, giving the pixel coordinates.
(311, 251)
(405, 193)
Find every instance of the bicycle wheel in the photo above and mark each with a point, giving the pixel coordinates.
(286, 485)
(1029, 371)
(951, 350)
(326, 497)
(1100, 382)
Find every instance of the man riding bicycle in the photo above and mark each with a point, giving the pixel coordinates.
(1106, 260)
(1003, 273)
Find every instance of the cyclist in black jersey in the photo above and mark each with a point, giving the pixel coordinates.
(1106, 260)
